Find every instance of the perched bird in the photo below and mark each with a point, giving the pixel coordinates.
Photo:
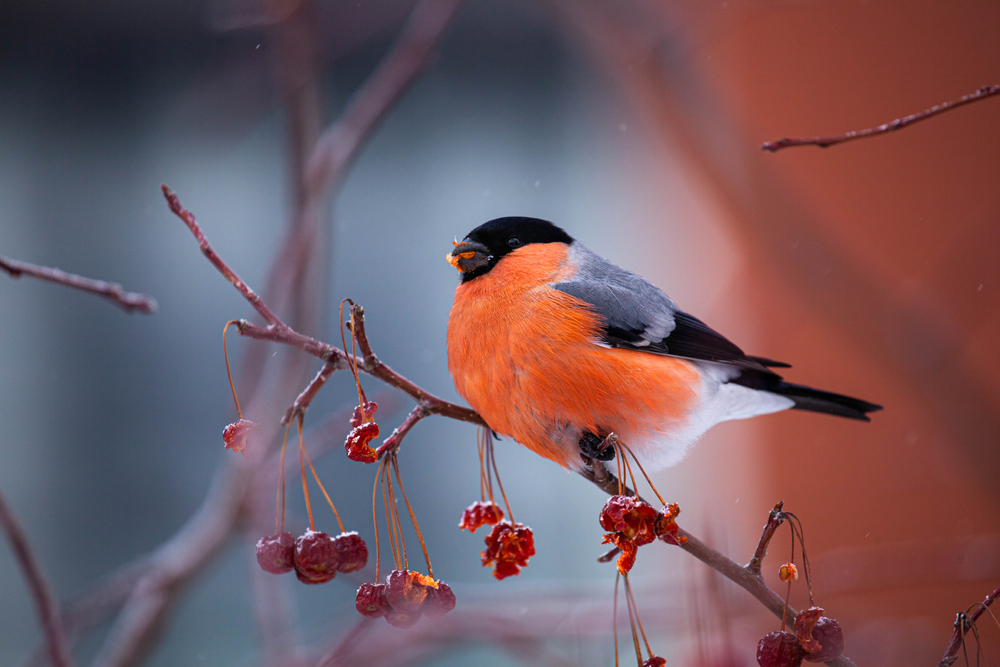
(556, 347)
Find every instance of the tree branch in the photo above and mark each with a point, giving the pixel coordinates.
(48, 606)
(113, 292)
(963, 624)
(898, 124)
(774, 519)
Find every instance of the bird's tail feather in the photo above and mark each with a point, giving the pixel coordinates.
(815, 400)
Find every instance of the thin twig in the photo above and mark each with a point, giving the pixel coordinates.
(303, 400)
(963, 623)
(898, 124)
(48, 606)
(774, 520)
(113, 292)
(394, 440)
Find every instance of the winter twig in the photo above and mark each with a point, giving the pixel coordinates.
(898, 124)
(48, 606)
(964, 622)
(128, 301)
(774, 520)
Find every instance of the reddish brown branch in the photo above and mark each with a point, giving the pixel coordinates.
(898, 124)
(393, 442)
(48, 606)
(113, 292)
(963, 624)
(303, 400)
(774, 519)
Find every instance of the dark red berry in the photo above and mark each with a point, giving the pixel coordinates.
(402, 619)
(371, 600)
(363, 413)
(655, 661)
(632, 518)
(352, 550)
(829, 635)
(357, 441)
(235, 435)
(406, 590)
(439, 601)
(478, 513)
(275, 553)
(316, 558)
(779, 649)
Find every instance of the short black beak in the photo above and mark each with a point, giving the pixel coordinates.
(468, 256)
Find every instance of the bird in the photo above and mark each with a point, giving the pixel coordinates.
(557, 348)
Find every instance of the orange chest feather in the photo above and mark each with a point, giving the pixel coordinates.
(527, 358)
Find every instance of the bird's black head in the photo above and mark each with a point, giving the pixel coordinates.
(488, 243)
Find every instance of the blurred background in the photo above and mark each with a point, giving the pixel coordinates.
(872, 267)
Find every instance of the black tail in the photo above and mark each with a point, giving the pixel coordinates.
(807, 398)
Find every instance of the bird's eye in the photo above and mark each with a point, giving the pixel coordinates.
(513, 242)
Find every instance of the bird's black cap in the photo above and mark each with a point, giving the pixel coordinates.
(501, 236)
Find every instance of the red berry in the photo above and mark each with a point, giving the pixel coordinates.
(633, 518)
(363, 413)
(478, 513)
(235, 435)
(829, 635)
(371, 600)
(666, 527)
(655, 661)
(352, 550)
(316, 558)
(779, 649)
(357, 443)
(509, 545)
(402, 619)
(439, 600)
(405, 590)
(275, 553)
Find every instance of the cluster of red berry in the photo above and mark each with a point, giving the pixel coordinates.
(404, 597)
(633, 523)
(315, 556)
(509, 545)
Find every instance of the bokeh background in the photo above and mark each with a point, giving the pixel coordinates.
(872, 267)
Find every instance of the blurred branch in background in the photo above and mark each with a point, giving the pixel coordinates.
(965, 624)
(48, 605)
(128, 301)
(892, 126)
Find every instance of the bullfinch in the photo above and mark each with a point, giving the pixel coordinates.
(556, 348)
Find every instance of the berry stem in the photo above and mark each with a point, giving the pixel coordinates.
(614, 618)
(643, 471)
(305, 487)
(378, 552)
(316, 477)
(496, 473)
(279, 501)
(628, 592)
(631, 622)
(413, 517)
(225, 354)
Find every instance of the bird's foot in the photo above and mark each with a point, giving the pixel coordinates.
(597, 448)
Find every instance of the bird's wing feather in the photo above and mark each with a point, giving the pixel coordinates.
(638, 315)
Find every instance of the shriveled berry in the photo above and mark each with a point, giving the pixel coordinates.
(655, 661)
(275, 553)
(479, 513)
(352, 550)
(363, 413)
(406, 590)
(779, 649)
(666, 526)
(402, 619)
(788, 572)
(316, 558)
(631, 517)
(371, 601)
(357, 441)
(439, 601)
(235, 435)
(803, 626)
(509, 545)
(830, 637)
(629, 551)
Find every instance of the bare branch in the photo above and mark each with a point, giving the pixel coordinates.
(393, 442)
(963, 624)
(774, 519)
(113, 292)
(48, 606)
(303, 400)
(898, 124)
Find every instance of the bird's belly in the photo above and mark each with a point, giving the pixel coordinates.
(534, 368)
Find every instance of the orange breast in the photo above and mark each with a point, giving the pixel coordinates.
(527, 358)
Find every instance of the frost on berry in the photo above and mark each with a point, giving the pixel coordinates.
(628, 548)
(316, 558)
(825, 634)
(631, 517)
(371, 601)
(779, 649)
(275, 553)
(363, 413)
(509, 545)
(406, 590)
(439, 601)
(655, 661)
(666, 526)
(352, 552)
(788, 572)
(235, 435)
(357, 441)
(479, 513)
